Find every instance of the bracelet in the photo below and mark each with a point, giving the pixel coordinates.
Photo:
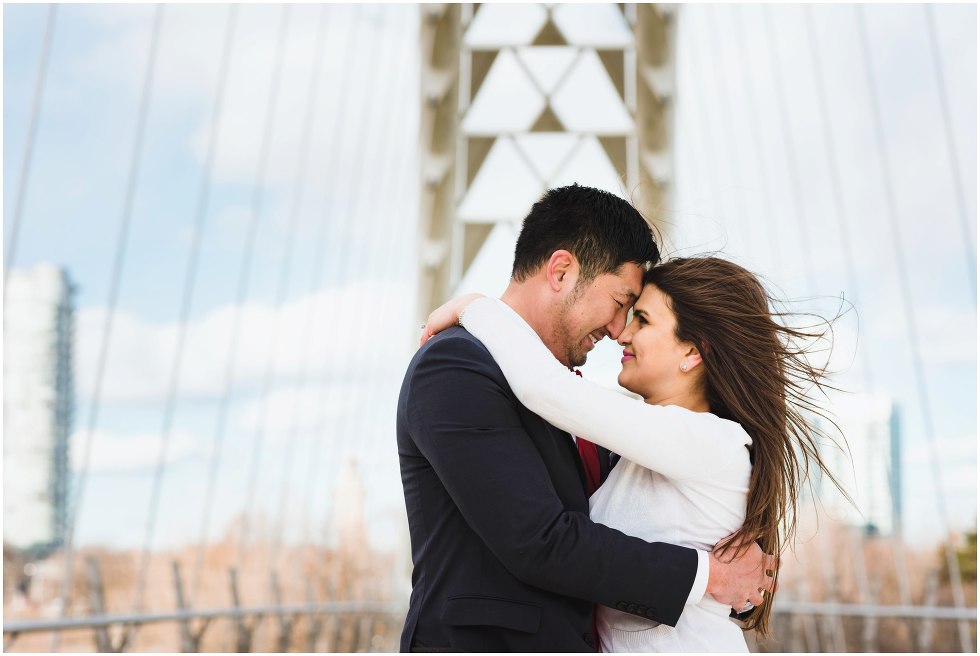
(459, 319)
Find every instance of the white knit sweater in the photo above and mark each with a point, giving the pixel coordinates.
(683, 477)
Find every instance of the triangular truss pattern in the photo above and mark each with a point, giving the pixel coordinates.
(482, 61)
(587, 100)
(504, 189)
(488, 272)
(547, 65)
(600, 25)
(549, 35)
(549, 96)
(547, 122)
(508, 100)
(546, 152)
(499, 25)
(589, 165)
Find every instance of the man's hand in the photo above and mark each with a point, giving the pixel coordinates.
(741, 581)
(446, 316)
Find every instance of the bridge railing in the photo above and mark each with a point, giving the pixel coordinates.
(371, 620)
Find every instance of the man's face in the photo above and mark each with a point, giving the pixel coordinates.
(593, 310)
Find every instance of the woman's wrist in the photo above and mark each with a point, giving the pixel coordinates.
(467, 301)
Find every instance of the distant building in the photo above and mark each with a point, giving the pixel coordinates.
(37, 406)
(349, 520)
(871, 471)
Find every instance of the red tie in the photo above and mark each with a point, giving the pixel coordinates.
(589, 454)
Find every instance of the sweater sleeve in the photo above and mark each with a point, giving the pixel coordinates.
(673, 441)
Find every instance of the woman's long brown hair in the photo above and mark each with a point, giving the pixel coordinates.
(756, 371)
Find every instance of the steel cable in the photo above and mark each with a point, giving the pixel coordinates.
(795, 185)
(734, 156)
(114, 285)
(248, 254)
(756, 134)
(969, 239)
(911, 327)
(317, 280)
(340, 271)
(299, 188)
(190, 275)
(10, 242)
(840, 213)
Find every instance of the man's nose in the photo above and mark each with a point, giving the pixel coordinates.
(616, 327)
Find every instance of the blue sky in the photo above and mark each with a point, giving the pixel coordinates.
(343, 368)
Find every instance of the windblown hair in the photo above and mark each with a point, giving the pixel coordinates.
(600, 229)
(755, 371)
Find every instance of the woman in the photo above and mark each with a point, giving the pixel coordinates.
(720, 448)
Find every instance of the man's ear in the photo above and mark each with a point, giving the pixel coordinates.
(562, 270)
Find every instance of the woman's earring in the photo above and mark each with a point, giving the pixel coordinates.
(683, 366)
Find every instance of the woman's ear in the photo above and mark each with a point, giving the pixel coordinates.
(562, 269)
(691, 359)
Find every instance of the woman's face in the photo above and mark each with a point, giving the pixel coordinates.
(652, 354)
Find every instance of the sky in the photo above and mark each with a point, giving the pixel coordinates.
(327, 313)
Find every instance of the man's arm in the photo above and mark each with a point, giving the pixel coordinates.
(743, 579)
(467, 425)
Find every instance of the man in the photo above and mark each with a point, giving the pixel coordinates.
(506, 558)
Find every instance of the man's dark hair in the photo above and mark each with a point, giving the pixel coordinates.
(600, 229)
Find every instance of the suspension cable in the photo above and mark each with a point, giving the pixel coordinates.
(379, 257)
(263, 402)
(317, 280)
(840, 213)
(969, 240)
(756, 134)
(359, 213)
(910, 325)
(396, 178)
(188, 290)
(258, 195)
(827, 568)
(299, 187)
(735, 159)
(710, 164)
(25, 168)
(339, 272)
(794, 176)
(114, 285)
(248, 255)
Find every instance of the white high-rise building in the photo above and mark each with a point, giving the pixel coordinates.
(37, 406)
(871, 470)
(349, 519)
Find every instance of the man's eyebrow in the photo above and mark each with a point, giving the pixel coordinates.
(630, 294)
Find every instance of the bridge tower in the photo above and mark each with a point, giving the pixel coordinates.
(520, 98)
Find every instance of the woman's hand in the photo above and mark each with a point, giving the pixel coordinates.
(446, 316)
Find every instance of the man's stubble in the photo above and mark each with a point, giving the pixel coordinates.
(563, 339)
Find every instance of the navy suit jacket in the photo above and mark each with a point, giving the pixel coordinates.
(505, 556)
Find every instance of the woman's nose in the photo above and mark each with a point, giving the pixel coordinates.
(626, 336)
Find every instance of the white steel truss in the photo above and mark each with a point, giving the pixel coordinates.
(517, 99)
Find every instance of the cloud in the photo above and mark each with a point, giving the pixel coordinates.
(956, 451)
(187, 70)
(113, 453)
(336, 333)
(946, 334)
(364, 409)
